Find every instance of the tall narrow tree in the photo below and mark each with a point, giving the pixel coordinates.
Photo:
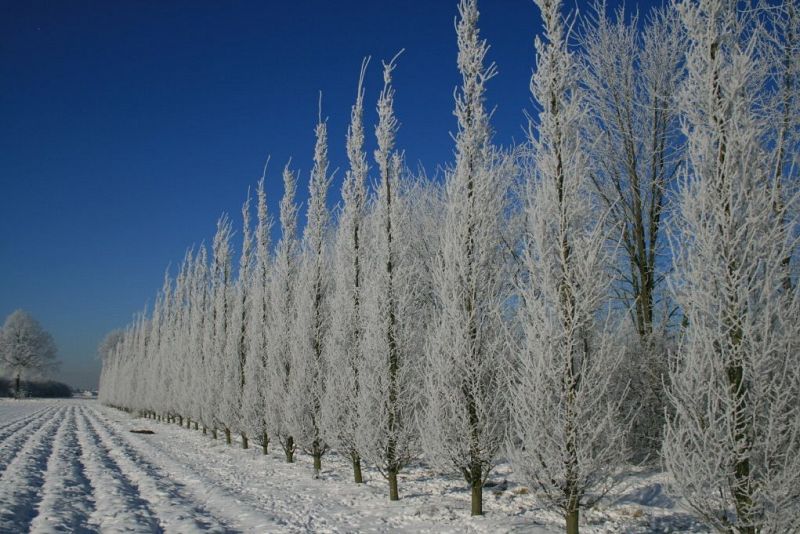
(386, 433)
(344, 352)
(254, 403)
(199, 302)
(733, 444)
(465, 413)
(217, 326)
(566, 436)
(282, 314)
(236, 348)
(310, 330)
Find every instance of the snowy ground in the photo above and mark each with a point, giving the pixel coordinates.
(74, 466)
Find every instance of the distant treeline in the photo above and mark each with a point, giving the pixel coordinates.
(45, 389)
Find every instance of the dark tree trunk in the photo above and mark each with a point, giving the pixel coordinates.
(16, 387)
(317, 455)
(477, 496)
(227, 435)
(289, 450)
(214, 433)
(572, 517)
(264, 444)
(245, 443)
(357, 478)
(393, 493)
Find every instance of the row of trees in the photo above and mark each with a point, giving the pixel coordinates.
(621, 287)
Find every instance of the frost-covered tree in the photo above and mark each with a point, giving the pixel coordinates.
(282, 313)
(199, 299)
(465, 415)
(306, 385)
(178, 342)
(566, 437)
(781, 51)
(733, 445)
(386, 434)
(217, 325)
(107, 347)
(633, 120)
(235, 354)
(254, 394)
(344, 352)
(25, 347)
(153, 348)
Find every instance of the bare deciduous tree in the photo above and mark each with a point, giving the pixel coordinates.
(25, 347)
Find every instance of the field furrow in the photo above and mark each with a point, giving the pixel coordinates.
(10, 424)
(166, 497)
(24, 475)
(118, 505)
(67, 501)
(18, 435)
(75, 466)
(286, 492)
(236, 509)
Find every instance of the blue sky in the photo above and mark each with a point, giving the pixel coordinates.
(128, 127)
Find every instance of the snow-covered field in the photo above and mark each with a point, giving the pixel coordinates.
(74, 466)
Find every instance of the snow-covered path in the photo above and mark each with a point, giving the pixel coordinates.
(74, 466)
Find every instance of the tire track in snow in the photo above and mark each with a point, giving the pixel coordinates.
(118, 506)
(166, 497)
(67, 495)
(24, 476)
(17, 439)
(217, 499)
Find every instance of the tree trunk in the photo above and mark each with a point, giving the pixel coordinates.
(245, 443)
(180, 420)
(357, 478)
(227, 435)
(264, 444)
(289, 450)
(572, 518)
(393, 494)
(477, 496)
(16, 387)
(214, 433)
(317, 461)
(195, 427)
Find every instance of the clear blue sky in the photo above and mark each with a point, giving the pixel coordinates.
(128, 127)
